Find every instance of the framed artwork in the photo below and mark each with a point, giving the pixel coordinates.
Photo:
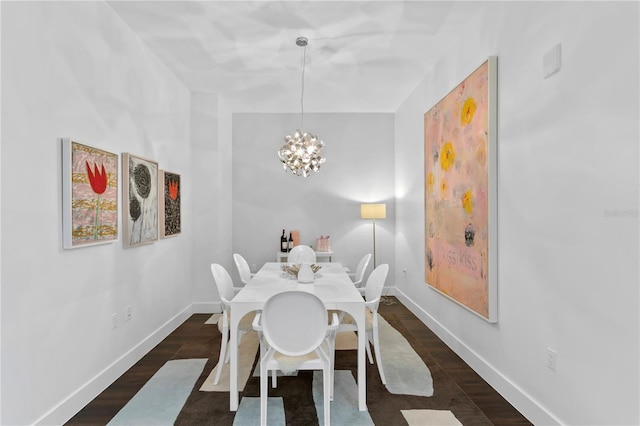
(461, 193)
(89, 195)
(139, 200)
(170, 219)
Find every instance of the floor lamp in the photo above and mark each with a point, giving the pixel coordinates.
(373, 211)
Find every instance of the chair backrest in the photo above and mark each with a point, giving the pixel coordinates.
(223, 281)
(294, 323)
(375, 283)
(362, 267)
(243, 268)
(301, 253)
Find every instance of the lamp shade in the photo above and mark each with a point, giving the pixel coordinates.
(373, 211)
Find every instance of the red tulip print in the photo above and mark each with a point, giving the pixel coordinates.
(98, 181)
(97, 178)
(173, 189)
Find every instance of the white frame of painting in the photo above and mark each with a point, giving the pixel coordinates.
(67, 195)
(161, 200)
(126, 218)
(492, 196)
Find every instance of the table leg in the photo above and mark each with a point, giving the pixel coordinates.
(233, 361)
(362, 366)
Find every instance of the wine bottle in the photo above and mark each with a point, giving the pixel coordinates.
(290, 243)
(284, 245)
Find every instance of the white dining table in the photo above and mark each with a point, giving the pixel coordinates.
(331, 284)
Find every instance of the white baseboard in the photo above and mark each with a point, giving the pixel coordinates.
(65, 410)
(206, 307)
(517, 397)
(388, 291)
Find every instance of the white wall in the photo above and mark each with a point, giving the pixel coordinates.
(74, 69)
(217, 176)
(568, 274)
(568, 153)
(359, 168)
(211, 210)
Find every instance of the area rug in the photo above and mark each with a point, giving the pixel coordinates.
(344, 407)
(404, 370)
(160, 400)
(430, 418)
(247, 351)
(213, 319)
(346, 341)
(248, 413)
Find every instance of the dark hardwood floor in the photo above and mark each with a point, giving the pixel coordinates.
(487, 399)
(479, 403)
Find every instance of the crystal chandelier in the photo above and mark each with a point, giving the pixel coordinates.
(300, 153)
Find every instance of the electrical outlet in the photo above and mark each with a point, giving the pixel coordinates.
(114, 320)
(552, 359)
(128, 312)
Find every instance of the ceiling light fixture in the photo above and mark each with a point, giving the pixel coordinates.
(300, 153)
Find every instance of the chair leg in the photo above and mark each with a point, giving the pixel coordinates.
(274, 373)
(332, 359)
(369, 357)
(326, 384)
(376, 348)
(264, 391)
(223, 351)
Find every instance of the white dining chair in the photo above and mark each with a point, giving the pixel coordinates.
(301, 253)
(243, 268)
(224, 284)
(358, 276)
(295, 335)
(372, 293)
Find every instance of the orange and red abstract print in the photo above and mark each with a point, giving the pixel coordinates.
(170, 212)
(460, 179)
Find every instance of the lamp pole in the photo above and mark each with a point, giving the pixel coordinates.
(374, 243)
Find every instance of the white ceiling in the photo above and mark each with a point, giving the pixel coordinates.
(363, 56)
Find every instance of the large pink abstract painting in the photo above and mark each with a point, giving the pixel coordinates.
(90, 195)
(460, 193)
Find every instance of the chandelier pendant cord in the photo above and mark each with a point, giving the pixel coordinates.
(301, 152)
(304, 64)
